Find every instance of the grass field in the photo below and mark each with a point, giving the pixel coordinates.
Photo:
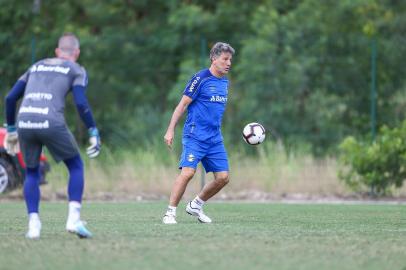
(243, 236)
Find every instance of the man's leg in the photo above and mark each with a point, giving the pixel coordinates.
(31, 150)
(180, 184)
(75, 192)
(212, 188)
(215, 161)
(32, 197)
(178, 190)
(195, 206)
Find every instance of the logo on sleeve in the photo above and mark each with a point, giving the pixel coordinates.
(193, 85)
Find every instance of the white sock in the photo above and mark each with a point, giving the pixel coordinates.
(171, 210)
(197, 202)
(74, 211)
(33, 218)
(33, 221)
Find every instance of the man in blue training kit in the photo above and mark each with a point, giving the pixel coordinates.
(41, 122)
(205, 98)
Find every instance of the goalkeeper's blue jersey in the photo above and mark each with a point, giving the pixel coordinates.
(205, 113)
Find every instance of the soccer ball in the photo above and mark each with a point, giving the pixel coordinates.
(253, 133)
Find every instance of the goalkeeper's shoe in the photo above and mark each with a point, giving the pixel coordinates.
(34, 229)
(197, 212)
(169, 218)
(79, 229)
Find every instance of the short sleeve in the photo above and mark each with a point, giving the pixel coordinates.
(193, 86)
(80, 78)
(25, 76)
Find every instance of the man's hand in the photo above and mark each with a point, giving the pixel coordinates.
(169, 137)
(11, 141)
(94, 138)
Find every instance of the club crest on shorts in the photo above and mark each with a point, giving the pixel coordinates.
(190, 158)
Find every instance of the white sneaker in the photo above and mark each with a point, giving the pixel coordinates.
(34, 229)
(70, 225)
(197, 212)
(169, 218)
(79, 229)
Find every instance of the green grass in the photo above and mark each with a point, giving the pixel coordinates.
(243, 236)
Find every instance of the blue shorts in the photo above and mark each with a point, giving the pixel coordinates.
(212, 155)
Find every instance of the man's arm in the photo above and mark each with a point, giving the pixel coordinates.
(86, 115)
(11, 101)
(11, 138)
(177, 114)
(79, 96)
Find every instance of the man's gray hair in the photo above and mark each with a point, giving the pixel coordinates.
(68, 43)
(219, 48)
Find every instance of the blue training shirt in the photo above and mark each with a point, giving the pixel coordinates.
(205, 113)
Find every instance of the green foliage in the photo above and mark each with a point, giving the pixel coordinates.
(302, 68)
(315, 74)
(379, 165)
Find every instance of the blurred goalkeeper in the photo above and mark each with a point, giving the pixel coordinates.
(205, 98)
(40, 122)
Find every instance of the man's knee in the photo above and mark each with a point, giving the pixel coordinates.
(75, 163)
(187, 173)
(222, 178)
(32, 175)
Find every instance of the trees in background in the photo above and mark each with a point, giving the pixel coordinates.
(302, 68)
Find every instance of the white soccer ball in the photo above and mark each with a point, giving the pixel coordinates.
(253, 133)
